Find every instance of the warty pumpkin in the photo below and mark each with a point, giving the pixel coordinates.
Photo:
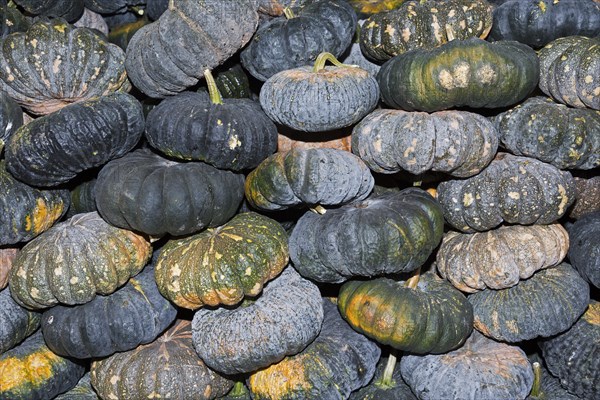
(587, 196)
(16, 322)
(584, 252)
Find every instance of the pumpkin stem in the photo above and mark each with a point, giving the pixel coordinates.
(289, 14)
(238, 390)
(319, 209)
(213, 90)
(536, 389)
(414, 280)
(417, 183)
(386, 380)
(137, 9)
(324, 57)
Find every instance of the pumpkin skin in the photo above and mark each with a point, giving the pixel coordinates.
(235, 135)
(283, 44)
(521, 312)
(145, 192)
(74, 260)
(584, 253)
(168, 367)
(537, 23)
(470, 72)
(429, 24)
(83, 198)
(380, 389)
(571, 66)
(337, 362)
(500, 258)
(459, 143)
(325, 177)
(297, 140)
(16, 322)
(121, 34)
(31, 371)
(224, 264)
(587, 196)
(70, 10)
(155, 8)
(366, 8)
(11, 20)
(111, 6)
(82, 391)
(553, 133)
(64, 65)
(11, 118)
(392, 232)
(481, 369)
(232, 82)
(55, 148)
(7, 256)
(92, 20)
(549, 386)
(512, 189)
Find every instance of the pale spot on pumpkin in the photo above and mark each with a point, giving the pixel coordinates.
(58, 271)
(541, 139)
(597, 91)
(452, 13)
(372, 24)
(567, 68)
(35, 369)
(233, 237)
(579, 140)
(514, 195)
(234, 142)
(21, 273)
(589, 79)
(56, 65)
(112, 396)
(219, 122)
(390, 30)
(218, 255)
(486, 74)
(468, 199)
(35, 292)
(73, 280)
(114, 379)
(61, 28)
(406, 34)
(564, 199)
(34, 43)
(377, 144)
(461, 74)
(207, 392)
(256, 288)
(446, 79)
(248, 271)
(175, 270)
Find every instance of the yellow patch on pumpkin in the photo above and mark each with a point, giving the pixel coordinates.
(592, 315)
(34, 369)
(282, 379)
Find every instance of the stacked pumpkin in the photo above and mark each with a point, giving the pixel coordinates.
(215, 201)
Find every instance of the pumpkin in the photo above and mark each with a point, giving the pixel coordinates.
(554, 133)
(423, 24)
(31, 371)
(366, 8)
(538, 22)
(232, 82)
(546, 304)
(336, 363)
(82, 391)
(16, 322)
(112, 6)
(570, 68)
(238, 392)
(27, 211)
(392, 232)
(298, 140)
(70, 10)
(222, 265)
(570, 355)
(92, 20)
(584, 252)
(74, 260)
(387, 384)
(64, 65)
(83, 198)
(11, 20)
(245, 339)
(7, 256)
(171, 54)
(470, 72)
(55, 148)
(500, 258)
(587, 196)
(121, 34)
(547, 387)
(316, 177)
(481, 369)
(166, 368)
(319, 98)
(354, 56)
(155, 8)
(459, 143)
(292, 41)
(512, 189)
(145, 192)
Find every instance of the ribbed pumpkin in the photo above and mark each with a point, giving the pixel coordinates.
(82, 391)
(63, 65)
(554, 133)
(83, 198)
(545, 386)
(387, 384)
(11, 20)
(459, 143)
(423, 24)
(232, 81)
(500, 258)
(470, 72)
(16, 322)
(121, 34)
(314, 177)
(584, 253)
(11, 118)
(512, 189)
(74, 260)
(53, 149)
(339, 361)
(7, 256)
(222, 265)
(70, 10)
(111, 6)
(166, 368)
(587, 196)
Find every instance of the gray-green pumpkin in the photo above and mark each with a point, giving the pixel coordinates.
(16, 322)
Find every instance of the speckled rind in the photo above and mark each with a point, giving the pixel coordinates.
(16, 322)
(82, 391)
(584, 253)
(587, 196)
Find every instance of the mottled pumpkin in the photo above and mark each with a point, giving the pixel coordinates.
(512, 189)
(11, 20)
(584, 252)
(70, 10)
(11, 117)
(587, 196)
(166, 368)
(387, 384)
(16, 322)
(82, 391)
(74, 260)
(7, 256)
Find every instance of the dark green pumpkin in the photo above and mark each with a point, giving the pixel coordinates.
(470, 72)
(387, 384)
(232, 82)
(366, 8)
(546, 386)
(587, 196)
(83, 391)
(70, 10)
(584, 251)
(11, 20)
(121, 34)
(155, 8)
(55, 148)
(145, 192)
(112, 6)
(16, 322)
(83, 198)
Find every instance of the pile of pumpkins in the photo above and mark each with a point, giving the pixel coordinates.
(300, 199)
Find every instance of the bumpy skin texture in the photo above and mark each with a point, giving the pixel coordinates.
(31, 371)
(584, 253)
(7, 256)
(64, 64)
(571, 71)
(235, 135)
(282, 44)
(16, 322)
(393, 232)
(245, 338)
(500, 258)
(145, 192)
(70, 10)
(222, 265)
(166, 368)
(537, 23)
(172, 53)
(332, 98)
(470, 72)
(339, 361)
(325, 177)
(53, 149)
(481, 369)
(435, 317)
(415, 25)
(83, 391)
(565, 137)
(570, 356)
(587, 196)
(512, 189)
(546, 304)
(459, 143)
(74, 260)
(379, 389)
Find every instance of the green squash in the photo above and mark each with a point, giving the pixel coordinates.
(70, 10)
(121, 34)
(12, 20)
(584, 252)
(83, 391)
(587, 196)
(546, 386)
(387, 384)
(11, 118)
(16, 322)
